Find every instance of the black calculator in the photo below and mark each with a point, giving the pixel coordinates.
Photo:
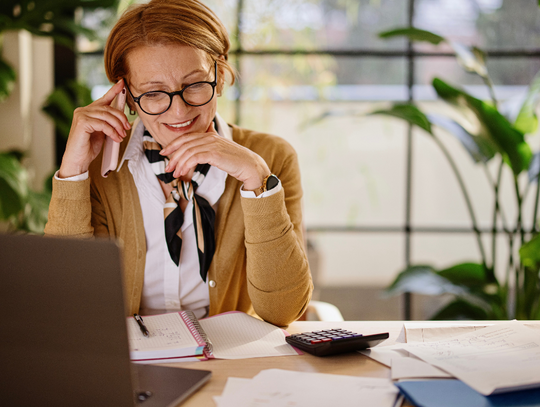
(333, 341)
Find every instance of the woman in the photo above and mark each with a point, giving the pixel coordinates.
(209, 214)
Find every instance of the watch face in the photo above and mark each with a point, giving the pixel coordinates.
(271, 182)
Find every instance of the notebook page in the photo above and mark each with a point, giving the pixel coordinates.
(167, 331)
(237, 335)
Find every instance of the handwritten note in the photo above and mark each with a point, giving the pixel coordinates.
(491, 360)
(167, 331)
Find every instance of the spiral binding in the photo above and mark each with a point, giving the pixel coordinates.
(197, 330)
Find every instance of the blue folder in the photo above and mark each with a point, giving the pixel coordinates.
(452, 393)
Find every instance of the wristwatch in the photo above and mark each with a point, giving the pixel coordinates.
(269, 182)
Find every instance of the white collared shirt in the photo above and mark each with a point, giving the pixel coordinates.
(168, 287)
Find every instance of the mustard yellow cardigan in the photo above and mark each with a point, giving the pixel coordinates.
(260, 265)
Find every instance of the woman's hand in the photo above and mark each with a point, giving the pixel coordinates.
(91, 124)
(239, 162)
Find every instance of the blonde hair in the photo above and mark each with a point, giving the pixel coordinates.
(186, 22)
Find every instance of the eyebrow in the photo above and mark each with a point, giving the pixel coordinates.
(196, 71)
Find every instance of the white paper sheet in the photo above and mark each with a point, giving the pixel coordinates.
(439, 331)
(385, 354)
(413, 368)
(280, 388)
(237, 335)
(233, 385)
(493, 359)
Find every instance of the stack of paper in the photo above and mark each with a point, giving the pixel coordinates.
(275, 387)
(491, 360)
(408, 364)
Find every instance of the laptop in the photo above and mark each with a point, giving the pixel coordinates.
(63, 335)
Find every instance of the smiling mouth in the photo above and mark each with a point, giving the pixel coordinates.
(180, 125)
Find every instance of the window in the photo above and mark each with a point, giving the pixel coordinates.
(378, 195)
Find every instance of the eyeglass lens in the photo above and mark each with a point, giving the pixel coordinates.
(195, 94)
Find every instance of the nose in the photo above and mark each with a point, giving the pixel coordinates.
(178, 106)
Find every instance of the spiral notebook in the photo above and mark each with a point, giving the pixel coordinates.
(180, 336)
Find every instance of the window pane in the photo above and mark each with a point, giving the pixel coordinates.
(509, 76)
(319, 24)
(352, 164)
(437, 198)
(358, 259)
(91, 72)
(100, 21)
(326, 77)
(352, 169)
(490, 24)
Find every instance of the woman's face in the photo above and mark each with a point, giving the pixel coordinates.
(171, 67)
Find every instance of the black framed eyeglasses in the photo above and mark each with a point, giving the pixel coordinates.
(158, 101)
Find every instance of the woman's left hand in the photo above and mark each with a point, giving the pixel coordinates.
(239, 162)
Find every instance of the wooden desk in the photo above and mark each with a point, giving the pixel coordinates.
(352, 364)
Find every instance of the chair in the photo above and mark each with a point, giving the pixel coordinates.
(319, 310)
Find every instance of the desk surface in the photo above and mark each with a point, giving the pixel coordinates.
(352, 364)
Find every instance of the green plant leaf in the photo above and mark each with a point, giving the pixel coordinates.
(466, 274)
(423, 279)
(480, 149)
(460, 309)
(413, 34)
(63, 101)
(7, 79)
(509, 141)
(50, 18)
(36, 212)
(13, 186)
(409, 113)
(526, 120)
(529, 253)
(472, 59)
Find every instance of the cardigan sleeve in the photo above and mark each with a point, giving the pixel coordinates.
(70, 209)
(75, 211)
(279, 279)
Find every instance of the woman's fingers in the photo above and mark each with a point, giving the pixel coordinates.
(183, 151)
(108, 97)
(106, 101)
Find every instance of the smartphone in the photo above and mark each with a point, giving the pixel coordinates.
(111, 148)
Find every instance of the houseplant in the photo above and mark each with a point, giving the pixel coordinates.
(477, 290)
(20, 206)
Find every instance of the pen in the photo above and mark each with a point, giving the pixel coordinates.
(139, 320)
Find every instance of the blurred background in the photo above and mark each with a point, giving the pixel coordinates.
(379, 194)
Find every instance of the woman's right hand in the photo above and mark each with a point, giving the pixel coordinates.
(91, 124)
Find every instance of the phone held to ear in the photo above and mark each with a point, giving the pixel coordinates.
(111, 148)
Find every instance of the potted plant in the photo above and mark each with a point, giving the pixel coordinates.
(476, 288)
(20, 206)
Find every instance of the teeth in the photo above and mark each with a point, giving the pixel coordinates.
(177, 126)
